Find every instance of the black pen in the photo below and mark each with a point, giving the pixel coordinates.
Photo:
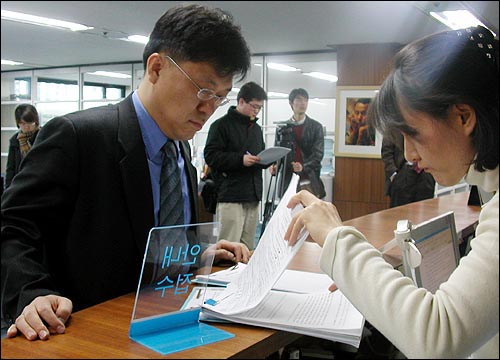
(198, 294)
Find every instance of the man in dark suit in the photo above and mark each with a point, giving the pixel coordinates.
(76, 219)
(404, 182)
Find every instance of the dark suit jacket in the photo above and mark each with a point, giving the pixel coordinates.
(76, 220)
(14, 157)
(394, 159)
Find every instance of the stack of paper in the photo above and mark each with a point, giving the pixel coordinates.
(302, 282)
(327, 315)
(248, 298)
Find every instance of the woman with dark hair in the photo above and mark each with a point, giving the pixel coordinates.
(20, 143)
(442, 95)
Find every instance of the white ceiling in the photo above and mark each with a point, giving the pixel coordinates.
(270, 27)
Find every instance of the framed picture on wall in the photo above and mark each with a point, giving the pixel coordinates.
(353, 137)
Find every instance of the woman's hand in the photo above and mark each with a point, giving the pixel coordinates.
(318, 217)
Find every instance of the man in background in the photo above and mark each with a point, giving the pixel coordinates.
(232, 144)
(404, 182)
(305, 136)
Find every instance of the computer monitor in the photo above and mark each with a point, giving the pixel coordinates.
(437, 241)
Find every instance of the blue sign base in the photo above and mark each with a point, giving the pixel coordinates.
(175, 332)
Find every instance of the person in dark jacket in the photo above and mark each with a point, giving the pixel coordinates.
(305, 136)
(232, 144)
(20, 143)
(404, 181)
(76, 219)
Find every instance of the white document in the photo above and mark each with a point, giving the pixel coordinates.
(271, 155)
(221, 277)
(327, 315)
(269, 260)
(302, 282)
(248, 298)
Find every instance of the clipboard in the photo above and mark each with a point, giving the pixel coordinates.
(272, 154)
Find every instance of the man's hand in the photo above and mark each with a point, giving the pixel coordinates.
(225, 250)
(43, 316)
(249, 160)
(272, 169)
(297, 167)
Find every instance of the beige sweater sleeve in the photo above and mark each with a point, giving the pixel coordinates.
(460, 319)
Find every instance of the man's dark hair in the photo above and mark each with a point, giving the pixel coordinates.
(297, 92)
(365, 101)
(251, 91)
(198, 33)
(27, 113)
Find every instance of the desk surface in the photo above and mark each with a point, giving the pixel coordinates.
(91, 334)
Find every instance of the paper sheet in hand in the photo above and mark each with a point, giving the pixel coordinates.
(273, 154)
(269, 260)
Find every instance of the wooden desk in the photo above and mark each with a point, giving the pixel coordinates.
(379, 227)
(102, 330)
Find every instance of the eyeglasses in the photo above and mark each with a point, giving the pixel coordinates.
(202, 94)
(256, 107)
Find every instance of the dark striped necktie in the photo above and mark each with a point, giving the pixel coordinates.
(171, 210)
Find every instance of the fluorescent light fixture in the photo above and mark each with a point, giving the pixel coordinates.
(38, 20)
(10, 62)
(322, 76)
(111, 74)
(276, 94)
(138, 39)
(457, 19)
(281, 67)
(317, 102)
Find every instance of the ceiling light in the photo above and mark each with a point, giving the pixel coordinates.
(10, 62)
(317, 101)
(38, 20)
(457, 19)
(322, 76)
(110, 74)
(276, 94)
(138, 39)
(281, 67)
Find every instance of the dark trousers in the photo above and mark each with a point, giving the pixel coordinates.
(409, 186)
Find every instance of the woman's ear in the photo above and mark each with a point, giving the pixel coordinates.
(467, 116)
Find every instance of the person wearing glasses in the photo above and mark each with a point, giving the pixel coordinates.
(230, 151)
(75, 222)
(305, 136)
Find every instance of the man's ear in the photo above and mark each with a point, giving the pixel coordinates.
(467, 116)
(153, 66)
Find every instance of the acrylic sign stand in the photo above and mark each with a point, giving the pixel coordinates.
(174, 256)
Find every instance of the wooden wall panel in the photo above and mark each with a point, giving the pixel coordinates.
(359, 183)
